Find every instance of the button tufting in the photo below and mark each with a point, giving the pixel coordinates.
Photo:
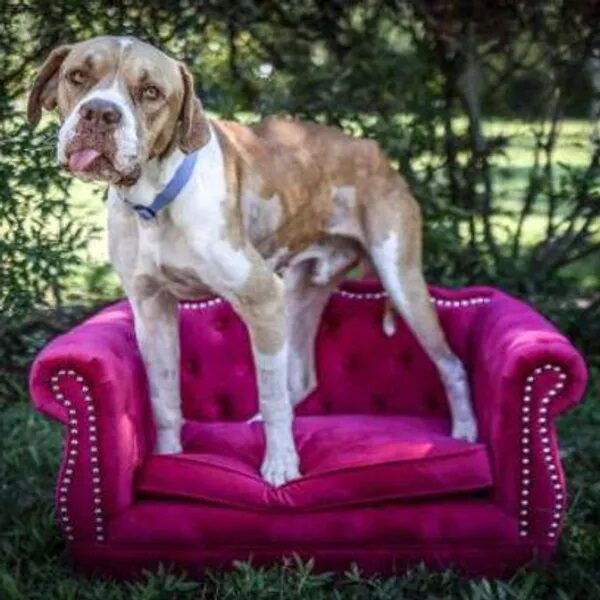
(351, 362)
(326, 404)
(331, 324)
(406, 358)
(379, 401)
(223, 402)
(192, 365)
(221, 323)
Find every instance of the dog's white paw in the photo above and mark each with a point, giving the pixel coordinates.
(465, 429)
(280, 467)
(167, 441)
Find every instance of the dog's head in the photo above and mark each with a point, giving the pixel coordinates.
(121, 103)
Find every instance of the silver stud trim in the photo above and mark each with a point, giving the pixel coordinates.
(441, 302)
(527, 433)
(202, 304)
(74, 440)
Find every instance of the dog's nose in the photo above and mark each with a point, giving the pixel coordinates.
(100, 112)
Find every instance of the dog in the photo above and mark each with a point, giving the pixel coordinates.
(269, 216)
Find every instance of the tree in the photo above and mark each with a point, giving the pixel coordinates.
(423, 77)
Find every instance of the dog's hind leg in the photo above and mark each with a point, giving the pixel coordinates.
(393, 229)
(309, 282)
(305, 302)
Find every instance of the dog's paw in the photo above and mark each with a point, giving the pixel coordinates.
(281, 467)
(167, 441)
(465, 429)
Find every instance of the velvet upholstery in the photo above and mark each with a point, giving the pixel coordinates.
(356, 460)
(385, 486)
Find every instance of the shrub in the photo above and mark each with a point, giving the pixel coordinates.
(423, 78)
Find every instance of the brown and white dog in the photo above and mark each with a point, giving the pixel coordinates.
(271, 218)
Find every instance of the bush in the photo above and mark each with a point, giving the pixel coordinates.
(423, 78)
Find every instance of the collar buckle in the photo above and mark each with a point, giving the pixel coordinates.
(145, 212)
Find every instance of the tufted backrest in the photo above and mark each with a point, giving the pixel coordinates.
(359, 368)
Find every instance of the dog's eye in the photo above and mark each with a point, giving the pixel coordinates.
(76, 77)
(150, 92)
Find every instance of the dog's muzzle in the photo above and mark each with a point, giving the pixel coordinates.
(93, 147)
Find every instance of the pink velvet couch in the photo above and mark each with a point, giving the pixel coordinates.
(383, 483)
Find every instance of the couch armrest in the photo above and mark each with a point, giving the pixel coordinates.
(93, 381)
(524, 374)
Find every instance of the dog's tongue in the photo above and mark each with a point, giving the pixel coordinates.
(80, 161)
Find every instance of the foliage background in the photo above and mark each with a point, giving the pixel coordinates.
(489, 109)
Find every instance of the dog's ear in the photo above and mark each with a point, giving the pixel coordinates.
(44, 90)
(193, 125)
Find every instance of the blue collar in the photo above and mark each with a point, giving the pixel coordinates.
(170, 191)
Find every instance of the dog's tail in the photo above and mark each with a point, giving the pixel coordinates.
(389, 322)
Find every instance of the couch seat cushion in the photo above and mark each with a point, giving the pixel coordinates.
(344, 459)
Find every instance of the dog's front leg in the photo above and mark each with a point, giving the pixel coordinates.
(261, 305)
(157, 333)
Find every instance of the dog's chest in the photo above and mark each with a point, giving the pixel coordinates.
(166, 261)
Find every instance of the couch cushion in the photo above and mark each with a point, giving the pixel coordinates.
(345, 460)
